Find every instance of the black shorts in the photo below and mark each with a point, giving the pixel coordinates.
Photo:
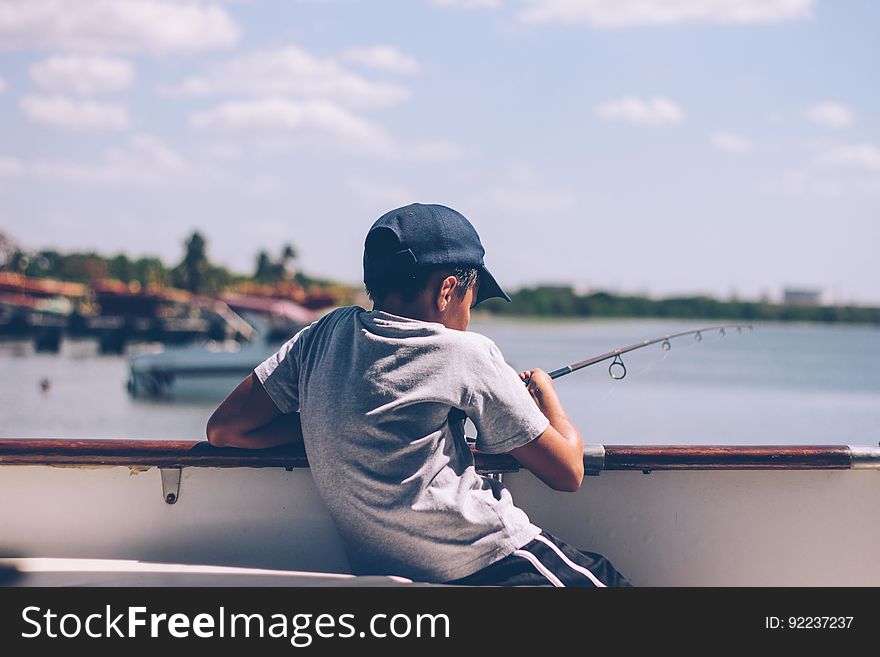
(547, 561)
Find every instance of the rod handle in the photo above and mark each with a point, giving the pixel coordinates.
(562, 371)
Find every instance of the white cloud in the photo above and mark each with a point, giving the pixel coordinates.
(831, 115)
(830, 188)
(222, 151)
(302, 123)
(652, 111)
(837, 171)
(517, 201)
(804, 184)
(83, 74)
(128, 26)
(731, 143)
(145, 160)
(382, 58)
(869, 187)
(436, 151)
(146, 148)
(261, 188)
(849, 156)
(3, 85)
(281, 124)
(467, 4)
(10, 166)
(295, 72)
(78, 114)
(604, 14)
(522, 194)
(382, 195)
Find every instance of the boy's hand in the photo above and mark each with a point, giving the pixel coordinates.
(539, 384)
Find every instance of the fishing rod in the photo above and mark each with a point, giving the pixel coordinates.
(617, 370)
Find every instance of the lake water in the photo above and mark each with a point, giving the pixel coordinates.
(779, 384)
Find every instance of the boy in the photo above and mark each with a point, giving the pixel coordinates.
(380, 399)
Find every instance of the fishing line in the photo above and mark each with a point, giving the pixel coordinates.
(696, 341)
(646, 368)
(604, 398)
(614, 385)
(656, 360)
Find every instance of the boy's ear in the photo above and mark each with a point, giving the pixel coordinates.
(444, 293)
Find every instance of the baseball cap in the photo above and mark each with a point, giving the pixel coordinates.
(426, 235)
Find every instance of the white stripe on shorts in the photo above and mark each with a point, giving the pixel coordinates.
(580, 569)
(540, 567)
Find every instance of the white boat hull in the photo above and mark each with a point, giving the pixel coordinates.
(666, 528)
(721, 528)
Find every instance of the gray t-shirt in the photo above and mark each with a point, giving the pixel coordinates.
(383, 401)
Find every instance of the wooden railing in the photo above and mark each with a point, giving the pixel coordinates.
(182, 453)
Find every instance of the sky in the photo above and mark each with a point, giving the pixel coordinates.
(660, 147)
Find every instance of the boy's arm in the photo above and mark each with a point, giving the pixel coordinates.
(249, 418)
(557, 455)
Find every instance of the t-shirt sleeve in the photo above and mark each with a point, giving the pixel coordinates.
(279, 374)
(500, 406)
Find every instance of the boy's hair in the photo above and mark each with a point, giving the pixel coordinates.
(409, 285)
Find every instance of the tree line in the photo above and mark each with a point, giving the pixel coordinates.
(564, 301)
(194, 272)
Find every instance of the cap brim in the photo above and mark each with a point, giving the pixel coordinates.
(489, 287)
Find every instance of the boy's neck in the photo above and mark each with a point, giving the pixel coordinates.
(408, 310)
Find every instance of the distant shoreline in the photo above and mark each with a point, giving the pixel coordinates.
(559, 302)
(276, 278)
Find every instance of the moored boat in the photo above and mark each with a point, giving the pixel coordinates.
(209, 370)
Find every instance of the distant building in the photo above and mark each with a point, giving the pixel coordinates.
(803, 297)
